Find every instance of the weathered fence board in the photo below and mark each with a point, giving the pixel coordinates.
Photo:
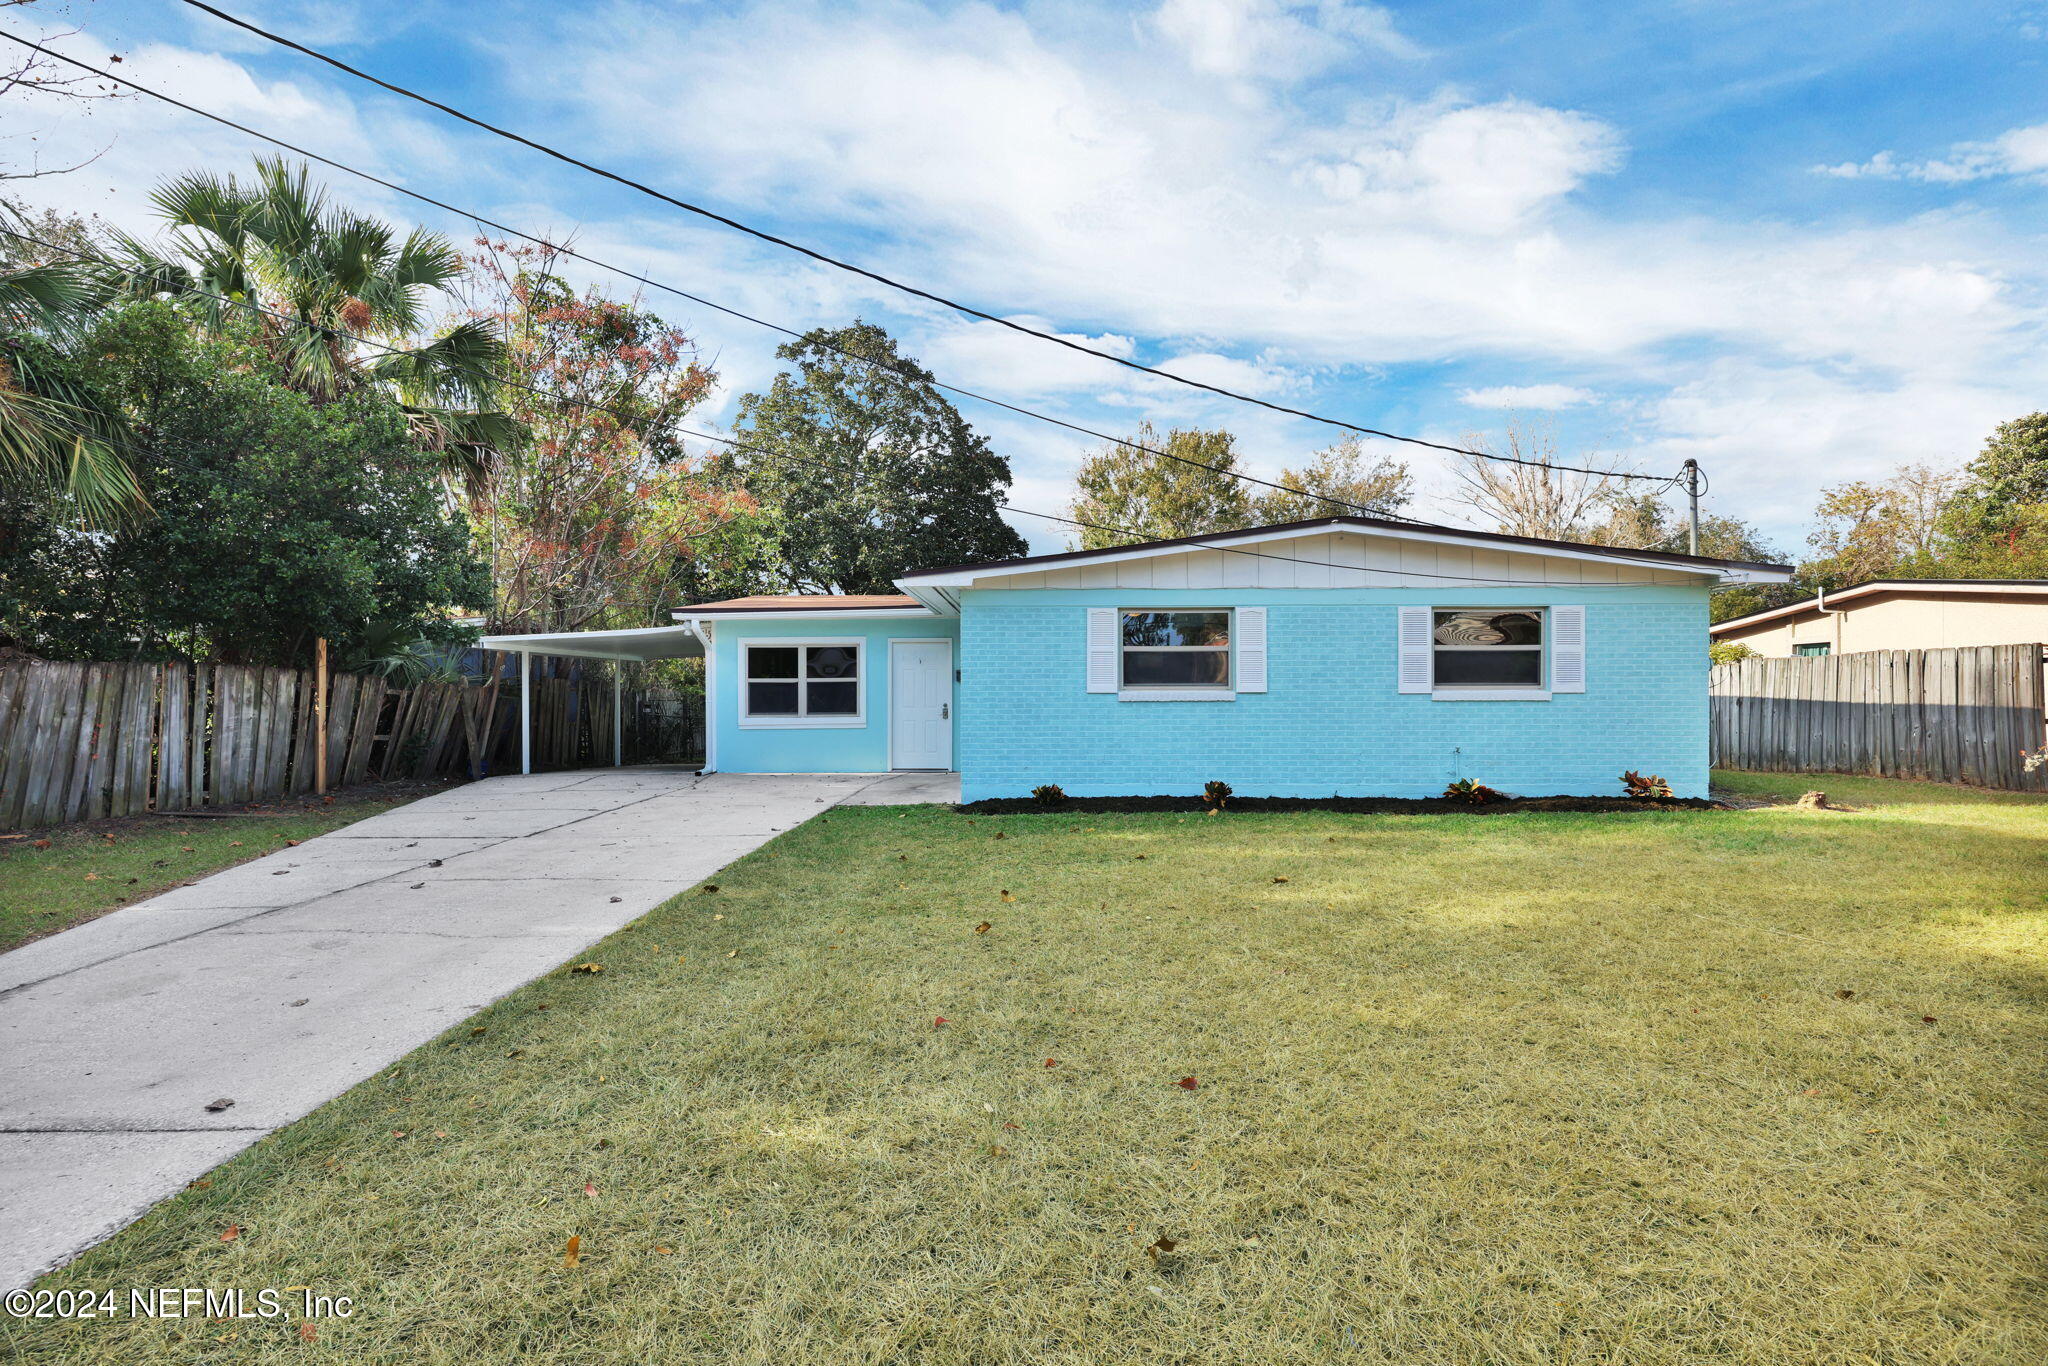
(1966, 715)
(82, 741)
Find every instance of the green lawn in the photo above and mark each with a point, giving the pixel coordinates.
(1651, 1089)
(52, 879)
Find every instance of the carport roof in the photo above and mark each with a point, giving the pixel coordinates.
(638, 644)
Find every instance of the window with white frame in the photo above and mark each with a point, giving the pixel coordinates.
(1180, 648)
(1487, 648)
(797, 682)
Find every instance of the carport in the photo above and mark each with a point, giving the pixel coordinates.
(635, 645)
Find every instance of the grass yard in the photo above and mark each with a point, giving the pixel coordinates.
(53, 879)
(1762, 1086)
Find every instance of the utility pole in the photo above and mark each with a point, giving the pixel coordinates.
(1692, 496)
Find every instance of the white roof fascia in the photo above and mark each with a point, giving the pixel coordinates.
(910, 583)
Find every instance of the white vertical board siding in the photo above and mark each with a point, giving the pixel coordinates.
(1251, 649)
(1414, 672)
(1102, 649)
(1341, 561)
(1568, 649)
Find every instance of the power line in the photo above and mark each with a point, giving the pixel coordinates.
(764, 451)
(787, 331)
(965, 309)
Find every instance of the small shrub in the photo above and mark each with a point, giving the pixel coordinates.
(1650, 789)
(1048, 794)
(1729, 652)
(1465, 790)
(1216, 794)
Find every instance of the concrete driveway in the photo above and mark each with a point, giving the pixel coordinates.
(281, 983)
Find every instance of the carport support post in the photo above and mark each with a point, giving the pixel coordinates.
(618, 720)
(525, 711)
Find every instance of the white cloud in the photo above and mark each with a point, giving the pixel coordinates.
(1027, 365)
(1544, 397)
(1471, 168)
(1272, 39)
(2020, 152)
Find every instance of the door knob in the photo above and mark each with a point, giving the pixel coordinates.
(945, 711)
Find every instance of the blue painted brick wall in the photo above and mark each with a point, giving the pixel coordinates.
(1332, 723)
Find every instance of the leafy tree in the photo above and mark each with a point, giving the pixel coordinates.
(1996, 525)
(863, 475)
(1131, 495)
(275, 520)
(598, 518)
(276, 246)
(1347, 473)
(1868, 530)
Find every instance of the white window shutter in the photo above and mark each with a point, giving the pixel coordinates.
(1102, 649)
(1415, 671)
(1568, 649)
(1251, 649)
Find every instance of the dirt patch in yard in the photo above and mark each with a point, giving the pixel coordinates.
(1358, 806)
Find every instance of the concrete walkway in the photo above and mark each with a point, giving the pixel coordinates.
(281, 983)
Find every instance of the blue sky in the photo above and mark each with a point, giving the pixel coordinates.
(1800, 242)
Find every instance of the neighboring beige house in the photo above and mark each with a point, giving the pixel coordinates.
(1898, 614)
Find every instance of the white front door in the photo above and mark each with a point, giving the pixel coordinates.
(921, 704)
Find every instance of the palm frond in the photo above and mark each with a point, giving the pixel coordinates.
(56, 299)
(53, 436)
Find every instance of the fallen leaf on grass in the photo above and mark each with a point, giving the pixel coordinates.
(1187, 1083)
(201, 1184)
(235, 843)
(1811, 1091)
(590, 1189)
(307, 1332)
(1844, 994)
(1008, 1125)
(1006, 895)
(233, 1232)
(591, 968)
(573, 1254)
(937, 1021)
(92, 877)
(665, 1251)
(1279, 879)
(44, 844)
(1163, 1244)
(477, 1032)
(1926, 1019)
(710, 887)
(983, 928)
(293, 843)
(734, 954)
(998, 1150)
(183, 848)
(1052, 1062)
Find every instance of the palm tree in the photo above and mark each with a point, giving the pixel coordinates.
(53, 435)
(309, 281)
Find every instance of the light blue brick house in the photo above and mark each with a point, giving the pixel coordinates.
(1346, 656)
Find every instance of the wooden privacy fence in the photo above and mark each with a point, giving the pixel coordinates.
(1966, 715)
(80, 741)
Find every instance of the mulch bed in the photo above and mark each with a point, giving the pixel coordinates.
(1358, 806)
